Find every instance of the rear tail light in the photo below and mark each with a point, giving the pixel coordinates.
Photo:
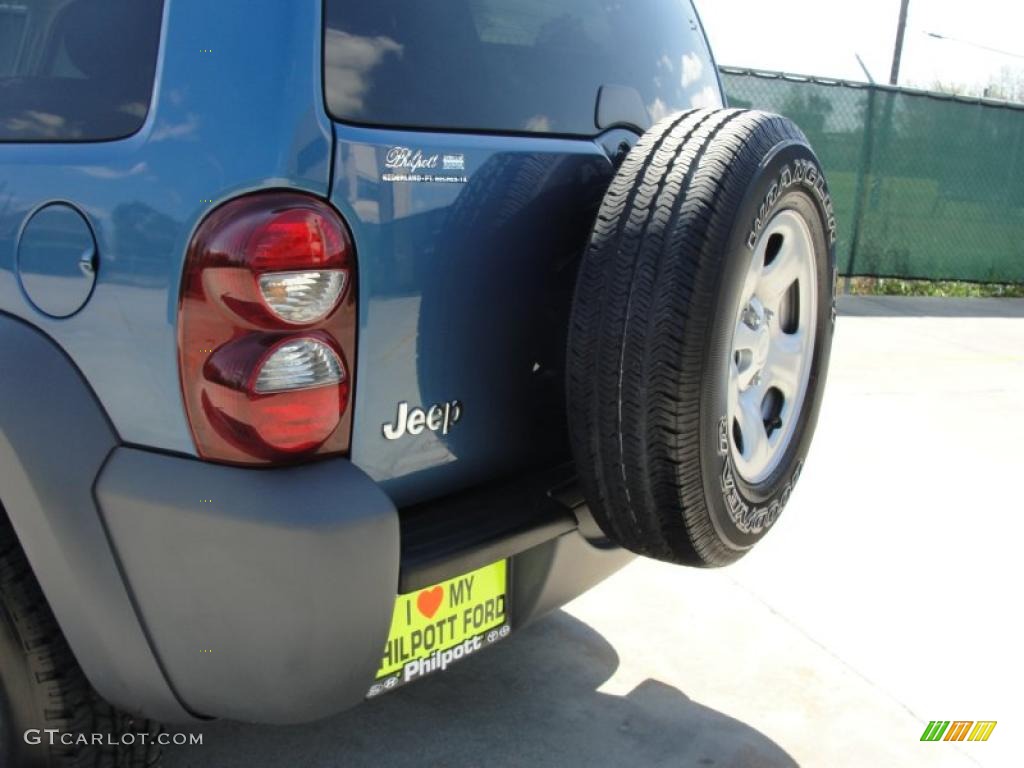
(302, 297)
(267, 331)
(299, 364)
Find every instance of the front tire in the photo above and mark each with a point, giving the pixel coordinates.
(688, 432)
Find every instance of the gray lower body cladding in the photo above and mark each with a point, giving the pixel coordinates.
(188, 589)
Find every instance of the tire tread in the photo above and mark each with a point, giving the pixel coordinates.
(64, 698)
(641, 324)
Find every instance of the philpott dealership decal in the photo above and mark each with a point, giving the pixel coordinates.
(403, 164)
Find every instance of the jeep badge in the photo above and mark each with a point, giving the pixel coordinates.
(437, 418)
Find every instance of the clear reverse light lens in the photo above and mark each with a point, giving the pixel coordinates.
(303, 297)
(300, 364)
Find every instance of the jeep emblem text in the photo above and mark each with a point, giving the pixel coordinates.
(437, 418)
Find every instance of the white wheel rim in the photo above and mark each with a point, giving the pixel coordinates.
(772, 347)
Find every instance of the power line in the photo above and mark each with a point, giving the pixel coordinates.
(1000, 51)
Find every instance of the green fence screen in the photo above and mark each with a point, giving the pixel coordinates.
(925, 185)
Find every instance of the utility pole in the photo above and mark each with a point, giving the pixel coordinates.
(894, 78)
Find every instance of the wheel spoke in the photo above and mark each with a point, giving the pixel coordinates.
(745, 338)
(753, 274)
(733, 390)
(748, 414)
(785, 270)
(785, 363)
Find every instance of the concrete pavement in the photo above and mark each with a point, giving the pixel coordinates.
(886, 597)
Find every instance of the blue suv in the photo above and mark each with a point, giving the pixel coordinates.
(340, 339)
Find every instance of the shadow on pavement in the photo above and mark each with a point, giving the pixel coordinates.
(927, 306)
(532, 700)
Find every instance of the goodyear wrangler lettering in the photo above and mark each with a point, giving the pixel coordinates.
(753, 519)
(804, 173)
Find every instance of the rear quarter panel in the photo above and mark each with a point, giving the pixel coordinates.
(237, 106)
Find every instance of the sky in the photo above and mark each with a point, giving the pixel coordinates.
(822, 37)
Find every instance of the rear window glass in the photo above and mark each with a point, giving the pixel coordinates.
(511, 65)
(76, 70)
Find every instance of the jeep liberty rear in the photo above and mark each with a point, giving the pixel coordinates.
(339, 339)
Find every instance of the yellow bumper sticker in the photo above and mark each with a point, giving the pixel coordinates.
(437, 626)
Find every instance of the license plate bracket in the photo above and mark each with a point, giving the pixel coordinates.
(433, 628)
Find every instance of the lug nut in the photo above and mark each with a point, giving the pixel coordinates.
(750, 318)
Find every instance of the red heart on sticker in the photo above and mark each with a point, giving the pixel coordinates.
(429, 600)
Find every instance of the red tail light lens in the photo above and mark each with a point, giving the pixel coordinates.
(267, 331)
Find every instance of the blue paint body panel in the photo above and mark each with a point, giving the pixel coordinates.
(464, 285)
(464, 291)
(220, 124)
(56, 260)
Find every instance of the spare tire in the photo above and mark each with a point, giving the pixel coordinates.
(700, 335)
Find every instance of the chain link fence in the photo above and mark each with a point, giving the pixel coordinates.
(926, 186)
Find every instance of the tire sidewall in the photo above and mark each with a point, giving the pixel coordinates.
(789, 178)
(19, 708)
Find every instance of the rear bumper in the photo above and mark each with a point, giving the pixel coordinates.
(188, 589)
(267, 594)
